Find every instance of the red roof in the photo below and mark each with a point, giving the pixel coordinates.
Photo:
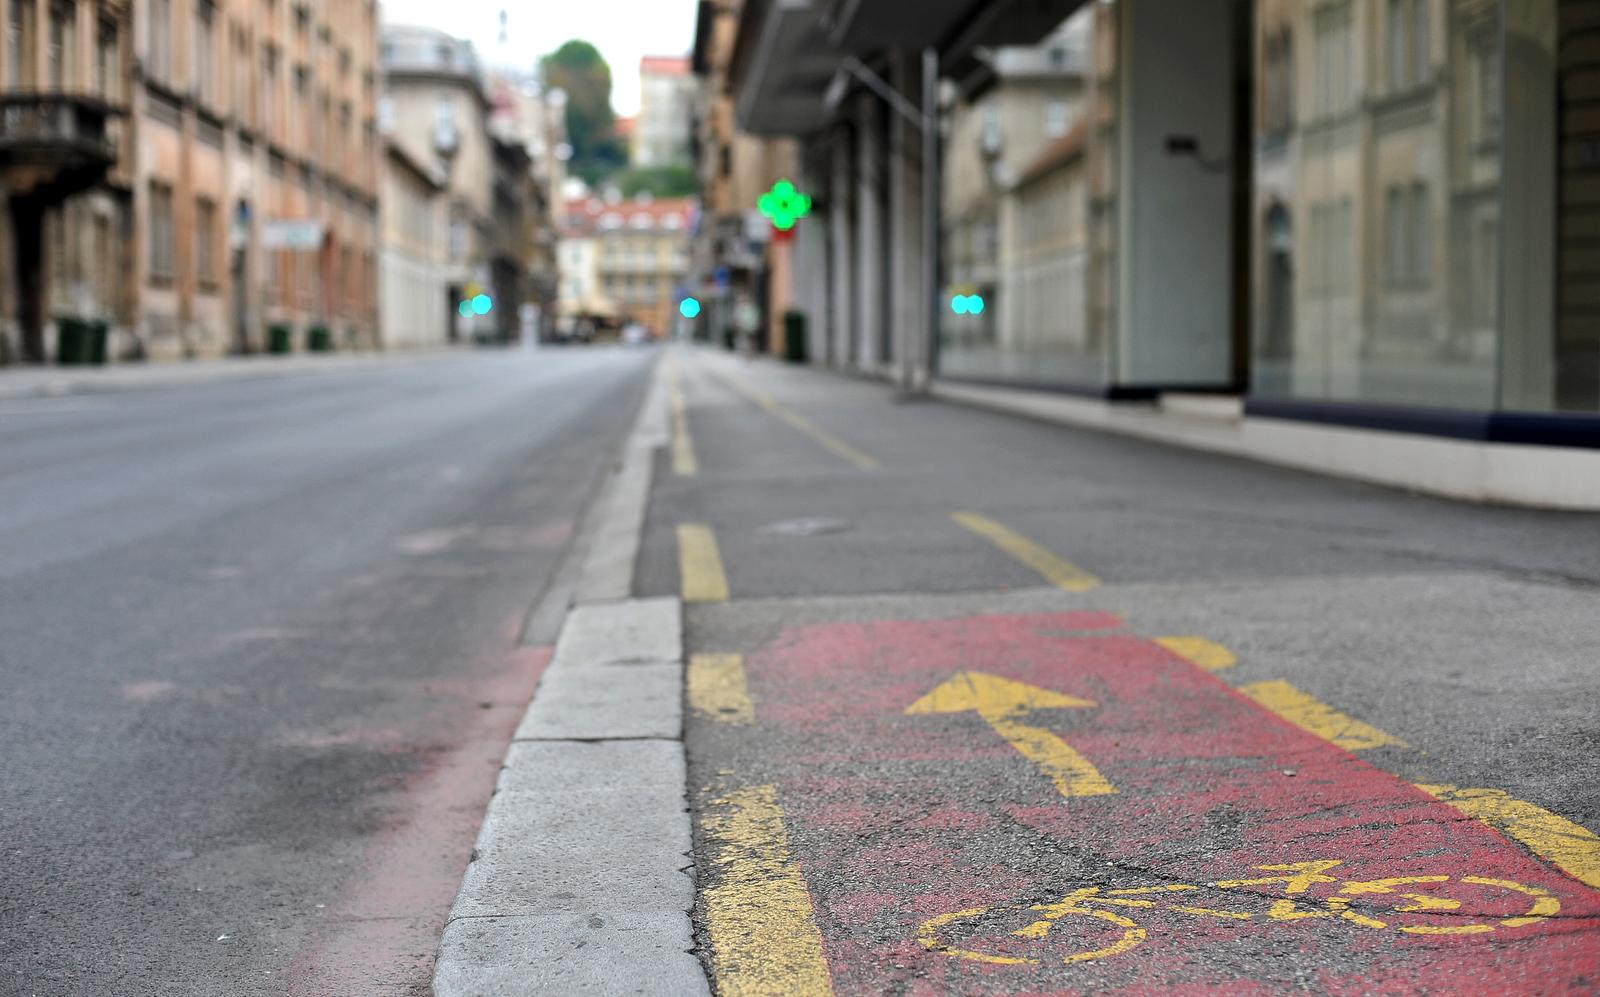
(665, 64)
(588, 215)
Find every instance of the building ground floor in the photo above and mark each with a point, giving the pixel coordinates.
(1337, 217)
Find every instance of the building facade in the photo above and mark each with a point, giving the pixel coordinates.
(436, 108)
(67, 173)
(242, 190)
(257, 191)
(415, 218)
(1359, 213)
(734, 255)
(660, 134)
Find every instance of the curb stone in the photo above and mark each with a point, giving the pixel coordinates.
(581, 881)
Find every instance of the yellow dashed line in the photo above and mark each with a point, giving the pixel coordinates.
(1057, 570)
(684, 462)
(1572, 848)
(1311, 714)
(700, 565)
(1208, 654)
(763, 930)
(717, 688)
(821, 436)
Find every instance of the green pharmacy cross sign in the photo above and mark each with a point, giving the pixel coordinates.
(784, 205)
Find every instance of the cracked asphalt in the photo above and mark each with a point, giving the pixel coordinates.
(1392, 663)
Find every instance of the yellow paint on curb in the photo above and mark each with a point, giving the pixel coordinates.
(1309, 713)
(821, 436)
(717, 688)
(1055, 569)
(700, 564)
(684, 461)
(763, 929)
(1208, 654)
(1570, 847)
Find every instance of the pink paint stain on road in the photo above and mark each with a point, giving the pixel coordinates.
(381, 938)
(1203, 801)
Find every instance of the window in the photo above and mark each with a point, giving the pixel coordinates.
(269, 88)
(63, 48)
(1408, 235)
(16, 32)
(107, 64)
(161, 252)
(205, 243)
(1056, 115)
(1408, 43)
(1334, 92)
(205, 52)
(1484, 69)
(158, 55)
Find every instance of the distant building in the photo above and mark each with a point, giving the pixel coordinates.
(667, 93)
(734, 254)
(524, 115)
(413, 289)
(436, 109)
(624, 259)
(583, 306)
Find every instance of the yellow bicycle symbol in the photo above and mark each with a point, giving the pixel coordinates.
(1016, 935)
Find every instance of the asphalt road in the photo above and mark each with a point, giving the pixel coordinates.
(261, 660)
(1455, 644)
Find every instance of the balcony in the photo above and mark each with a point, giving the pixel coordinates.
(54, 144)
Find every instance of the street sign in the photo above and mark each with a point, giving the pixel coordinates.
(298, 234)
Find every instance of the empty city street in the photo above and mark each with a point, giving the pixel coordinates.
(262, 658)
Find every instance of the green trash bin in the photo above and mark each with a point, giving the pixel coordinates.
(99, 332)
(279, 338)
(72, 341)
(319, 339)
(794, 336)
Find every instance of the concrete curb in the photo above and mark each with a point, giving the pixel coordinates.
(581, 881)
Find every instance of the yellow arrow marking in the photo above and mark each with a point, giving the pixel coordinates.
(1001, 702)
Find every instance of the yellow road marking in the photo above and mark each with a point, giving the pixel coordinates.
(821, 436)
(1001, 702)
(1572, 848)
(700, 565)
(684, 462)
(717, 688)
(763, 931)
(1057, 570)
(1311, 714)
(1208, 654)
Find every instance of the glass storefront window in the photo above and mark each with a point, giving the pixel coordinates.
(1028, 245)
(1386, 169)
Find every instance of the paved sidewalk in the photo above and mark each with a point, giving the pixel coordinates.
(29, 382)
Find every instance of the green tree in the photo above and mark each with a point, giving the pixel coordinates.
(673, 180)
(578, 68)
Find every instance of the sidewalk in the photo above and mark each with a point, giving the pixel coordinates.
(963, 703)
(32, 382)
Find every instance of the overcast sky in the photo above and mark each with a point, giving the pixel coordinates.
(623, 30)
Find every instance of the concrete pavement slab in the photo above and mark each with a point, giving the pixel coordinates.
(602, 952)
(580, 851)
(607, 701)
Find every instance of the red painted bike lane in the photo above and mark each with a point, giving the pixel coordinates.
(1047, 804)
